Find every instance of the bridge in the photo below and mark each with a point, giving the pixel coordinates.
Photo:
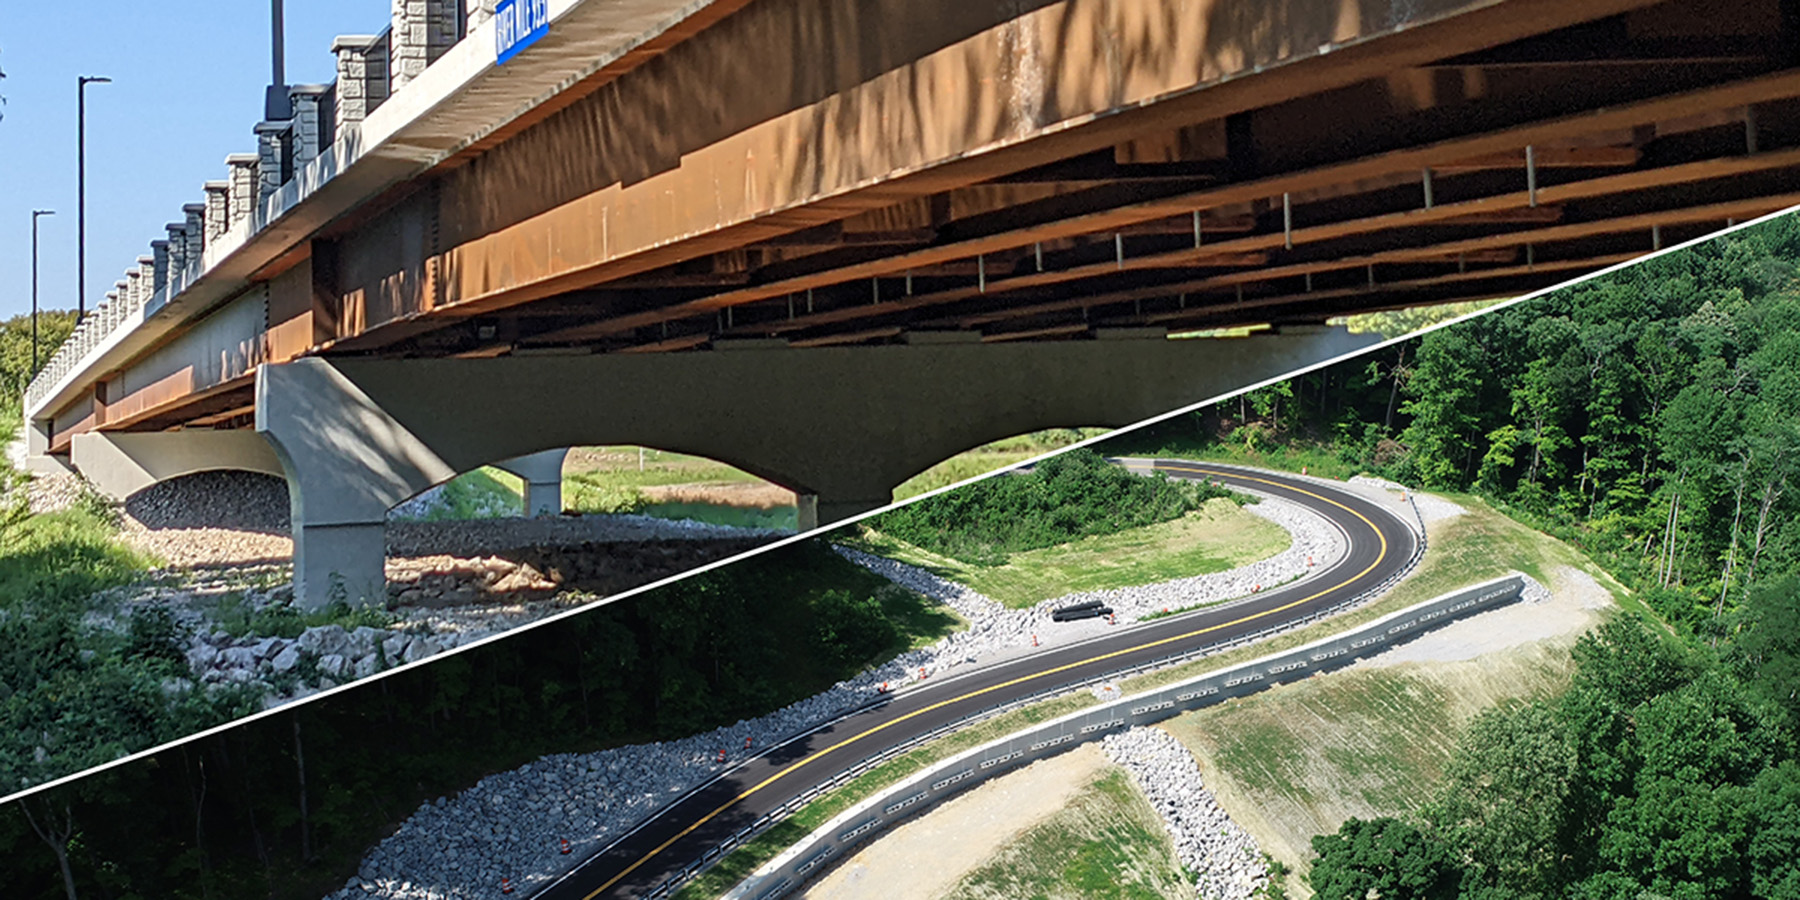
(835, 241)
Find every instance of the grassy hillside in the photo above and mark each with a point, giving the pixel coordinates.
(1217, 537)
(1107, 843)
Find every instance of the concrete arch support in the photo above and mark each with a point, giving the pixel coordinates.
(347, 462)
(841, 426)
(120, 464)
(542, 473)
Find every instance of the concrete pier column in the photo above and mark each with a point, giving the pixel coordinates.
(543, 480)
(816, 511)
(347, 462)
(37, 448)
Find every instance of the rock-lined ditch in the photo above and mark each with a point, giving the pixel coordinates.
(1225, 859)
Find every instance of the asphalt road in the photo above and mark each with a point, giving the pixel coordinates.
(1379, 545)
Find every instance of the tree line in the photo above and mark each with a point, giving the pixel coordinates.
(1650, 417)
(1665, 770)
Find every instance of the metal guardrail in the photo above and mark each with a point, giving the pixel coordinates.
(780, 813)
(961, 772)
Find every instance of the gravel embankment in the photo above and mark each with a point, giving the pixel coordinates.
(510, 825)
(224, 537)
(1226, 859)
(437, 602)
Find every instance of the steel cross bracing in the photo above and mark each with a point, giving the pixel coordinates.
(1459, 218)
(1497, 149)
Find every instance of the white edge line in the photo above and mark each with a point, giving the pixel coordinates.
(818, 532)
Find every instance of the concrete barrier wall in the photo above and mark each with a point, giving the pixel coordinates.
(926, 789)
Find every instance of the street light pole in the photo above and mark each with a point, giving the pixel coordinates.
(81, 83)
(276, 106)
(35, 215)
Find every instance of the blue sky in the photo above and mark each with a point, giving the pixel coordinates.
(188, 79)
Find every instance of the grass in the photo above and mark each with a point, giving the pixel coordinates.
(1218, 537)
(618, 466)
(231, 613)
(485, 493)
(989, 457)
(622, 480)
(721, 514)
(1298, 760)
(1108, 843)
(65, 556)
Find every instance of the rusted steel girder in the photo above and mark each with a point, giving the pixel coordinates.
(664, 165)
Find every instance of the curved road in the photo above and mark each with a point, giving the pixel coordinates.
(1379, 545)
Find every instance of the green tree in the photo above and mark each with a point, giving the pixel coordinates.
(1384, 858)
(1502, 802)
(1443, 391)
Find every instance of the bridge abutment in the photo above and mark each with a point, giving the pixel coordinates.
(840, 426)
(120, 464)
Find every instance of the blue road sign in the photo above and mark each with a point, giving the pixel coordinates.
(517, 25)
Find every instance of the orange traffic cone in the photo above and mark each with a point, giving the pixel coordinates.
(565, 846)
(1034, 642)
(506, 886)
(721, 756)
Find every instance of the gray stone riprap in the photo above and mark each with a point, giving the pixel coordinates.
(1226, 860)
(997, 633)
(1534, 592)
(509, 825)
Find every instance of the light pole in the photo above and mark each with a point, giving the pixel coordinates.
(35, 215)
(276, 106)
(81, 83)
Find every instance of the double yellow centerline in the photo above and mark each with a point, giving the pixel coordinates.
(1182, 468)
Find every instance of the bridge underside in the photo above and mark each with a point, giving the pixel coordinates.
(841, 426)
(906, 176)
(828, 175)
